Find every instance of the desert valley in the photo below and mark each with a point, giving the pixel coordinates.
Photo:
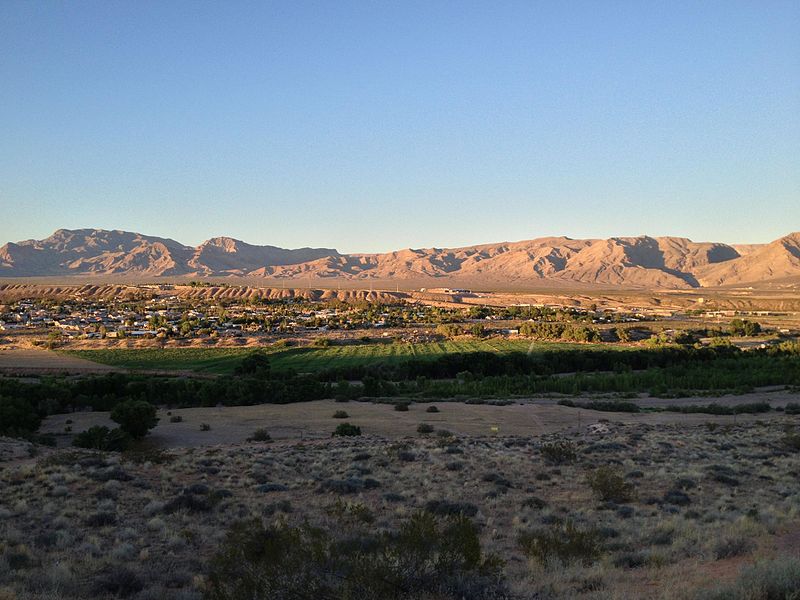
(616, 420)
(399, 300)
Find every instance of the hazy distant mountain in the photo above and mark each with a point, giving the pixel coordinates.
(645, 262)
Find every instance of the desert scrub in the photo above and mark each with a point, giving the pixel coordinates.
(346, 430)
(791, 441)
(340, 414)
(425, 557)
(424, 428)
(564, 542)
(609, 485)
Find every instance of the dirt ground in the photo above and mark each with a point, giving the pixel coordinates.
(32, 360)
(314, 420)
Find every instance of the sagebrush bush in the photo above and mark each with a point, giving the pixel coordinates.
(340, 414)
(424, 428)
(609, 485)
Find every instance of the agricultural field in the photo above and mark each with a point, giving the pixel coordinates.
(308, 359)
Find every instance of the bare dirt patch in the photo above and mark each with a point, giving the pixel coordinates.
(314, 420)
(31, 360)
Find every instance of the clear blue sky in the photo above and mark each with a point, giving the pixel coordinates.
(370, 126)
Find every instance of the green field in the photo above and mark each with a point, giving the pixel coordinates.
(306, 359)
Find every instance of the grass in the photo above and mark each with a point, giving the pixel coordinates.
(221, 361)
(217, 361)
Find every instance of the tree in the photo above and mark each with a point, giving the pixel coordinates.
(17, 416)
(744, 327)
(254, 365)
(135, 417)
(478, 330)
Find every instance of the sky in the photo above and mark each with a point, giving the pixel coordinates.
(372, 126)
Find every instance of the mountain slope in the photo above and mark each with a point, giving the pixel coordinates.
(774, 261)
(642, 262)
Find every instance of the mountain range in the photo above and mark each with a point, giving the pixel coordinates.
(641, 262)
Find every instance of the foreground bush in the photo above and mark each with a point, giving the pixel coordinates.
(777, 579)
(426, 557)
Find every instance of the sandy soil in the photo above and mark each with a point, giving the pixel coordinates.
(314, 420)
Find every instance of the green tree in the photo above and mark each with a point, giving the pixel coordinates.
(254, 365)
(135, 417)
(17, 416)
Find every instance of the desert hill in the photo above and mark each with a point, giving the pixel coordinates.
(640, 262)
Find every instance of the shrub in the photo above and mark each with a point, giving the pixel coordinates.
(732, 546)
(205, 427)
(564, 542)
(432, 409)
(792, 441)
(135, 417)
(793, 408)
(175, 419)
(776, 579)
(559, 452)
(424, 428)
(340, 414)
(609, 485)
(118, 581)
(402, 406)
(260, 435)
(426, 557)
(346, 430)
(99, 437)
